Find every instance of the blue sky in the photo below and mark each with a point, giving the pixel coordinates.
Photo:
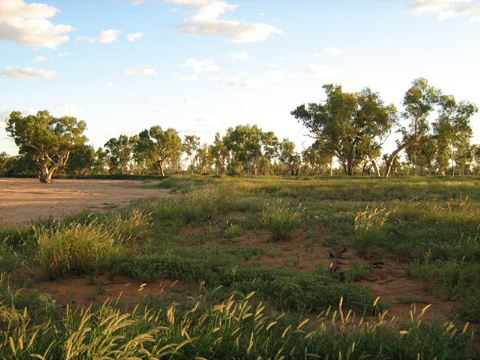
(201, 66)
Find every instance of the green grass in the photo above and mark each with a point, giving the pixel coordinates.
(225, 233)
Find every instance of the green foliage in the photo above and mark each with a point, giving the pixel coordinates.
(281, 219)
(470, 310)
(349, 125)
(457, 278)
(357, 272)
(149, 267)
(47, 139)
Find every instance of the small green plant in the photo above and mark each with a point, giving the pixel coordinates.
(369, 230)
(357, 271)
(281, 219)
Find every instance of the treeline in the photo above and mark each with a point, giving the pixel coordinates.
(349, 129)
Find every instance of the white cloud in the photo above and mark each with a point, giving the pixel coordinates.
(137, 2)
(26, 24)
(207, 20)
(66, 53)
(41, 58)
(106, 36)
(135, 36)
(334, 51)
(28, 73)
(69, 110)
(110, 84)
(191, 102)
(277, 76)
(246, 80)
(143, 70)
(238, 55)
(465, 10)
(475, 19)
(444, 8)
(185, 78)
(201, 66)
(241, 80)
(322, 71)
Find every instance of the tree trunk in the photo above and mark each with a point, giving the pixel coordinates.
(46, 173)
(388, 168)
(160, 163)
(375, 167)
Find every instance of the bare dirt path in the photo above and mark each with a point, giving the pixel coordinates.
(24, 200)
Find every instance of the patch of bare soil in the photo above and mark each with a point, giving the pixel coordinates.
(80, 292)
(389, 279)
(24, 200)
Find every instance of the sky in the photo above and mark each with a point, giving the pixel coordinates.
(202, 66)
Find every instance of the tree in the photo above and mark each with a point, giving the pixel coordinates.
(288, 156)
(119, 153)
(419, 101)
(348, 126)
(219, 153)
(189, 147)
(452, 132)
(157, 145)
(47, 139)
(451, 128)
(81, 160)
(248, 145)
(101, 161)
(316, 159)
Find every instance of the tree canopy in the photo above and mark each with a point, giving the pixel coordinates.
(47, 139)
(349, 126)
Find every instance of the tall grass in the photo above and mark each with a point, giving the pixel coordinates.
(77, 249)
(282, 219)
(230, 327)
(369, 229)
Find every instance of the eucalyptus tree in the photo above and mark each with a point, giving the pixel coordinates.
(100, 164)
(288, 156)
(248, 145)
(157, 146)
(453, 132)
(316, 159)
(81, 160)
(349, 126)
(119, 153)
(190, 146)
(204, 159)
(46, 139)
(419, 102)
(438, 128)
(219, 153)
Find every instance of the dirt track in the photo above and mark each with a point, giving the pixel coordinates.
(23, 200)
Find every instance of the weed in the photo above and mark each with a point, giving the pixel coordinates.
(281, 219)
(369, 230)
(357, 271)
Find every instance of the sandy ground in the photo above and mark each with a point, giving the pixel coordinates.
(23, 200)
